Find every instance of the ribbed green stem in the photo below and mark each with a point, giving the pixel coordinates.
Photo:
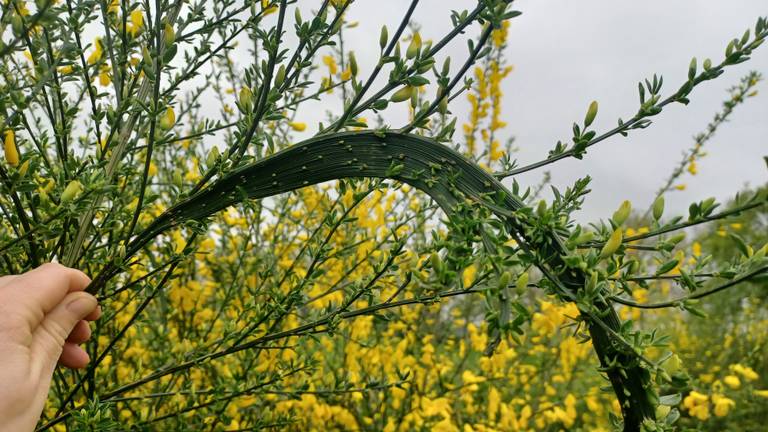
(447, 177)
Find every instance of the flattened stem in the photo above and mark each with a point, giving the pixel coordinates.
(427, 165)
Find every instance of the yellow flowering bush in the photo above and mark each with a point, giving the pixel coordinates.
(259, 268)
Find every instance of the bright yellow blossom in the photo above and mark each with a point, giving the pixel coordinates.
(137, 22)
(722, 405)
(9, 145)
(732, 381)
(98, 52)
(330, 61)
(298, 126)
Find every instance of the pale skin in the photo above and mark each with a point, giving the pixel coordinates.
(44, 316)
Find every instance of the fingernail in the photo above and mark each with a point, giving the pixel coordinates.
(81, 306)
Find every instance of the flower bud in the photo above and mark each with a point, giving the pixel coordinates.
(245, 98)
(297, 16)
(672, 365)
(584, 237)
(504, 280)
(120, 250)
(591, 114)
(402, 95)
(9, 145)
(17, 25)
(522, 283)
(677, 238)
(383, 37)
(71, 192)
(169, 35)
(298, 126)
(593, 279)
(658, 207)
(24, 168)
(213, 156)
(437, 263)
(446, 66)
(662, 411)
(48, 186)
(168, 119)
(692, 69)
(442, 107)
(414, 46)
(146, 56)
(613, 243)
(353, 64)
(280, 76)
(621, 215)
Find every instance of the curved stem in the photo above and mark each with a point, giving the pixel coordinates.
(679, 301)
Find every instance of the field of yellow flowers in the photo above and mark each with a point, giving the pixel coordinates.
(246, 286)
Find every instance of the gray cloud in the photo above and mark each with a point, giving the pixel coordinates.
(568, 53)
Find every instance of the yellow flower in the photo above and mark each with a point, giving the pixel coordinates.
(468, 275)
(499, 35)
(98, 52)
(168, 119)
(71, 192)
(732, 381)
(347, 74)
(696, 249)
(114, 6)
(266, 8)
(680, 187)
(137, 22)
(496, 152)
(104, 78)
(761, 393)
(692, 168)
(722, 405)
(467, 377)
(9, 145)
(701, 412)
(612, 245)
(298, 126)
(747, 372)
(330, 61)
(695, 398)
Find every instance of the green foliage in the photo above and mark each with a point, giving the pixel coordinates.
(210, 312)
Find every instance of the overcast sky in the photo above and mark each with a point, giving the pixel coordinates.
(567, 53)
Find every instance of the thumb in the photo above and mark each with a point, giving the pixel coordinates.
(53, 331)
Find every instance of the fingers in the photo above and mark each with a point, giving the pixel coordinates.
(49, 338)
(74, 357)
(45, 287)
(93, 316)
(80, 333)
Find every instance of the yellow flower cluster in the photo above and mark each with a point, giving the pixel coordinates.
(485, 100)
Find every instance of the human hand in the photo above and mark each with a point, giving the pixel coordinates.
(42, 321)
